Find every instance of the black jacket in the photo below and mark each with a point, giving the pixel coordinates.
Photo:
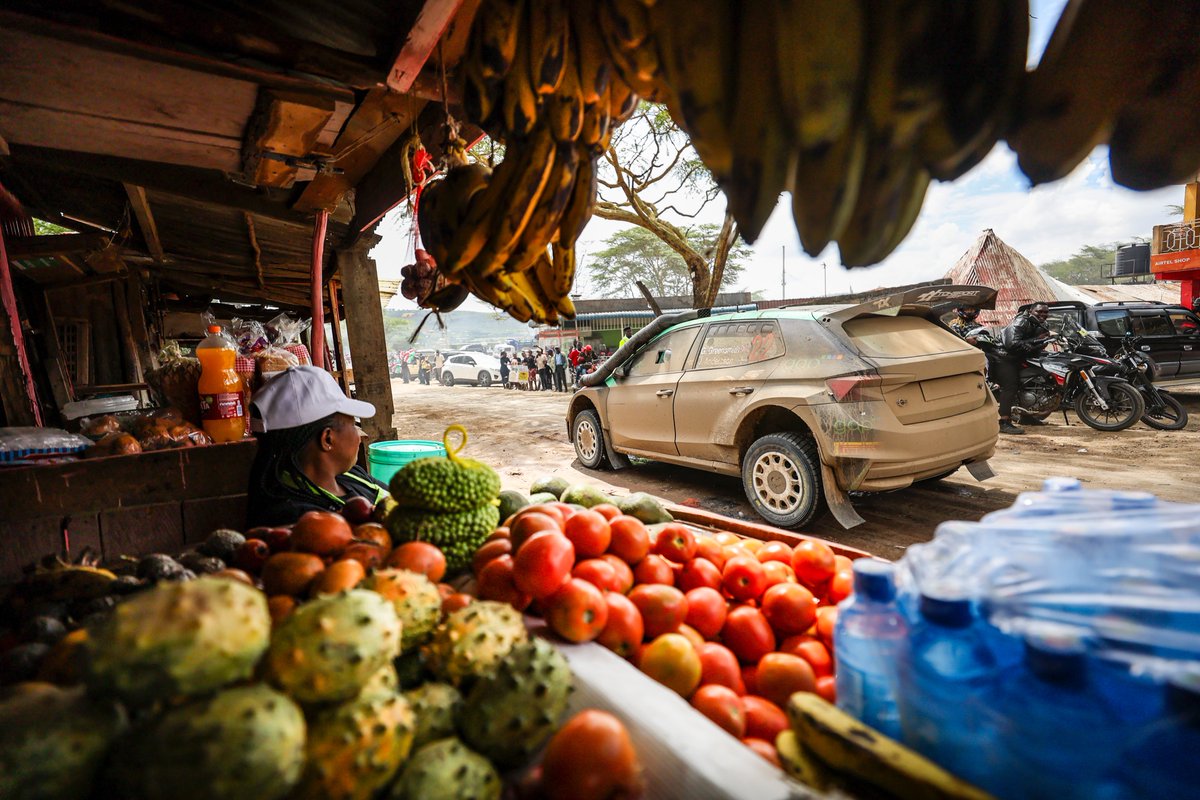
(287, 505)
(1023, 337)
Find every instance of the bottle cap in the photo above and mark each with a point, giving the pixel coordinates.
(1056, 657)
(874, 579)
(949, 612)
(1126, 501)
(214, 328)
(1183, 692)
(1061, 485)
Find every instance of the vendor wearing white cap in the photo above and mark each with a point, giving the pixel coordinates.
(307, 448)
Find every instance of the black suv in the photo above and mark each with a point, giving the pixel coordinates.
(1170, 334)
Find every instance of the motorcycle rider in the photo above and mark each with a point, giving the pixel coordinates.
(964, 322)
(1025, 336)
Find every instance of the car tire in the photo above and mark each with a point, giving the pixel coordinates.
(447, 378)
(589, 440)
(781, 475)
(484, 379)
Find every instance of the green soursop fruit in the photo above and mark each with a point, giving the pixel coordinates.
(447, 770)
(474, 640)
(511, 501)
(415, 598)
(444, 484)
(437, 707)
(644, 507)
(583, 495)
(510, 714)
(329, 648)
(458, 534)
(355, 749)
(178, 639)
(242, 743)
(53, 741)
(552, 484)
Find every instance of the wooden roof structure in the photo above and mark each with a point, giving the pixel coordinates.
(992, 262)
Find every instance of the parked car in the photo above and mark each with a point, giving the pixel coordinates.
(1170, 334)
(477, 368)
(803, 403)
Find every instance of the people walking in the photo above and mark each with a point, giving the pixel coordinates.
(504, 368)
(560, 370)
(544, 376)
(405, 375)
(439, 361)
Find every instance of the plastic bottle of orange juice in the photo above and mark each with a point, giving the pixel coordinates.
(221, 401)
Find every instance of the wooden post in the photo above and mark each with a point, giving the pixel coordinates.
(364, 324)
(339, 347)
(8, 297)
(317, 332)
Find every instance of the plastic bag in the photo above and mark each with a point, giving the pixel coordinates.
(174, 381)
(17, 444)
(275, 360)
(287, 336)
(250, 336)
(114, 444)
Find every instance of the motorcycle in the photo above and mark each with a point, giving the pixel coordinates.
(1079, 376)
(1163, 412)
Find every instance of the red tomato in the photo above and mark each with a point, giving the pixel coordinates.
(577, 611)
(813, 562)
(723, 706)
(780, 675)
(790, 608)
(841, 562)
(420, 557)
(706, 610)
(597, 572)
(566, 509)
(495, 582)
(841, 586)
(672, 661)
(500, 533)
(489, 550)
(526, 523)
(708, 548)
(321, 533)
(777, 572)
(826, 622)
(692, 635)
(622, 571)
(589, 532)
(764, 719)
(827, 688)
(718, 665)
(748, 634)
(624, 631)
(607, 510)
(591, 758)
(775, 551)
(675, 542)
(663, 608)
(743, 578)
(749, 674)
(543, 563)
(630, 539)
(699, 572)
(764, 749)
(654, 569)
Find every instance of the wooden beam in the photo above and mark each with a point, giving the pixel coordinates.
(339, 347)
(368, 344)
(20, 247)
(145, 219)
(284, 124)
(8, 300)
(432, 21)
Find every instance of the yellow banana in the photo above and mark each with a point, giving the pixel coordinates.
(622, 101)
(902, 72)
(478, 93)
(564, 269)
(544, 308)
(444, 203)
(566, 307)
(581, 202)
(549, 33)
(520, 101)
(848, 746)
(564, 108)
(514, 210)
(497, 26)
(596, 125)
(819, 47)
(825, 187)
(889, 200)
(543, 225)
(472, 232)
(595, 68)
(801, 764)
(525, 298)
(627, 22)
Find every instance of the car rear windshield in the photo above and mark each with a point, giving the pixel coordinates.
(901, 337)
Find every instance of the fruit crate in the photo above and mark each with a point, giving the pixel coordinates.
(713, 523)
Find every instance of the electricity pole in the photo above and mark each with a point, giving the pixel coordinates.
(783, 272)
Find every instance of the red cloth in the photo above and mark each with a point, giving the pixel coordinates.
(300, 351)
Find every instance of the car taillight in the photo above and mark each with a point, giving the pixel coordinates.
(855, 388)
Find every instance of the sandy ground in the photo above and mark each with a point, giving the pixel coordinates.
(523, 436)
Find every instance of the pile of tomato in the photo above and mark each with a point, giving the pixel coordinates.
(734, 625)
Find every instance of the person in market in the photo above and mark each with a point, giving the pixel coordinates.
(543, 364)
(560, 370)
(308, 444)
(1025, 336)
(532, 365)
(626, 332)
(405, 375)
(504, 368)
(424, 368)
(964, 321)
(574, 355)
(439, 361)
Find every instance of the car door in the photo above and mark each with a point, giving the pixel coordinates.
(1187, 332)
(734, 360)
(1155, 329)
(640, 403)
(460, 368)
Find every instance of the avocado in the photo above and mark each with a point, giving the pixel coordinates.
(542, 497)
(583, 495)
(511, 501)
(553, 484)
(644, 507)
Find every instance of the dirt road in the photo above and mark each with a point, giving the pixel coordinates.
(523, 435)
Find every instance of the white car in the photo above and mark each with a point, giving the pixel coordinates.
(477, 368)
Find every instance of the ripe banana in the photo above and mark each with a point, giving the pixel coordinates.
(564, 269)
(581, 202)
(549, 33)
(564, 108)
(497, 25)
(626, 21)
(596, 126)
(622, 101)
(801, 764)
(889, 200)
(848, 746)
(443, 204)
(513, 210)
(825, 187)
(543, 224)
(902, 91)
(820, 49)
(520, 100)
(478, 93)
(472, 229)
(595, 68)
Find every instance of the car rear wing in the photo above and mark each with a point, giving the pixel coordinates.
(656, 326)
(926, 301)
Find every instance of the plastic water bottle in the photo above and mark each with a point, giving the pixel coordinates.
(1052, 723)
(1161, 760)
(869, 634)
(945, 671)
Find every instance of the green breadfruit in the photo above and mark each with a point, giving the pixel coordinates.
(447, 770)
(458, 535)
(437, 707)
(444, 484)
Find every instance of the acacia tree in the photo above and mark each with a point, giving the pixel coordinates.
(637, 254)
(651, 173)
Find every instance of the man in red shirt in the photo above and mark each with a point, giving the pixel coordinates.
(574, 356)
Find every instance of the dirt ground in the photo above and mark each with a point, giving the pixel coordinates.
(523, 435)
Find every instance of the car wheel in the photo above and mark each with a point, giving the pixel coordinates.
(485, 379)
(781, 475)
(447, 378)
(589, 440)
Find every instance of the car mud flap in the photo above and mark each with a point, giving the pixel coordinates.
(615, 460)
(837, 500)
(980, 470)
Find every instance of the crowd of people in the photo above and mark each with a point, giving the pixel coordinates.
(549, 369)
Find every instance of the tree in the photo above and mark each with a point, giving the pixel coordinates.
(651, 173)
(396, 331)
(636, 253)
(1086, 266)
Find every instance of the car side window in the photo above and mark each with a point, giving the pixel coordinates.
(664, 355)
(1112, 323)
(1154, 324)
(1185, 324)
(734, 344)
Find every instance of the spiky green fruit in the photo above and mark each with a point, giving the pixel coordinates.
(384, 682)
(415, 598)
(509, 715)
(457, 534)
(444, 484)
(245, 743)
(474, 640)
(355, 749)
(437, 707)
(53, 741)
(329, 648)
(447, 770)
(178, 639)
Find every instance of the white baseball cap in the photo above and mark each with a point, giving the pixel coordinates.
(300, 395)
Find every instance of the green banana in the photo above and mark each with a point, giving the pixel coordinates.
(889, 200)
(825, 187)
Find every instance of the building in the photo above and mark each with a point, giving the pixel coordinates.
(600, 322)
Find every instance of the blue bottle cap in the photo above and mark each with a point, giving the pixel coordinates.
(1061, 485)
(1056, 658)
(1126, 501)
(874, 579)
(949, 612)
(1183, 693)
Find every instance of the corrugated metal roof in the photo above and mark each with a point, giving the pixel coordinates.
(1162, 292)
(992, 262)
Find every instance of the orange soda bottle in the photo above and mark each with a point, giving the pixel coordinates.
(222, 410)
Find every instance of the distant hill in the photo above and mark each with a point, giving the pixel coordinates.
(462, 328)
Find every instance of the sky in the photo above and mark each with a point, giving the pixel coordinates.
(1044, 223)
